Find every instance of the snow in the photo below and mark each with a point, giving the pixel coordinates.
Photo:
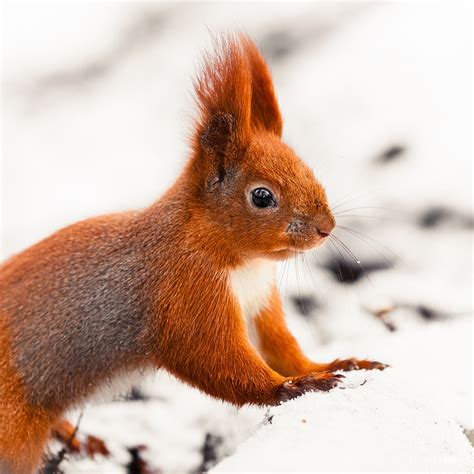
(409, 417)
(332, 432)
(402, 419)
(353, 80)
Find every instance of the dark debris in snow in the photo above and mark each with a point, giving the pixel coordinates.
(438, 215)
(391, 154)
(346, 270)
(135, 395)
(137, 464)
(305, 304)
(210, 452)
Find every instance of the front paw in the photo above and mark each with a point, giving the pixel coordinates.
(294, 387)
(356, 364)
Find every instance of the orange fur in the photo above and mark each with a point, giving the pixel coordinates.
(67, 434)
(277, 345)
(282, 352)
(23, 429)
(154, 287)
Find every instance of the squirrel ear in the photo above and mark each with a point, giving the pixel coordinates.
(235, 95)
(223, 95)
(265, 113)
(218, 133)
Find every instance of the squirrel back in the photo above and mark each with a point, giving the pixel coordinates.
(73, 307)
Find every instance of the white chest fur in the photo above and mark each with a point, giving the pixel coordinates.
(251, 285)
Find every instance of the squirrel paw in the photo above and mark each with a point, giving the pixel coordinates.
(318, 381)
(356, 364)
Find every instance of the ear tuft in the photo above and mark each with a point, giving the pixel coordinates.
(223, 89)
(265, 113)
(234, 94)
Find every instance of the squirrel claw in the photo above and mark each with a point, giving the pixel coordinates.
(356, 364)
(317, 381)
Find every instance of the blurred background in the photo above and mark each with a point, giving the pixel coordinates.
(376, 97)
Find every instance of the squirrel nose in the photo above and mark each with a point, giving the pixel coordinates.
(326, 226)
(323, 233)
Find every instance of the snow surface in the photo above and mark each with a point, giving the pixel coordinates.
(96, 107)
(407, 418)
(402, 419)
(332, 432)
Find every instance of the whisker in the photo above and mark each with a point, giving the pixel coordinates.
(308, 269)
(361, 215)
(346, 248)
(362, 207)
(406, 221)
(404, 218)
(353, 256)
(346, 199)
(298, 286)
(286, 284)
(367, 239)
(285, 265)
(339, 268)
(310, 329)
(303, 270)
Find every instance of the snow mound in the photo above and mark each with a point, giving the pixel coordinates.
(372, 422)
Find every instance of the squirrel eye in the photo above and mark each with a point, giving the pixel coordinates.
(262, 197)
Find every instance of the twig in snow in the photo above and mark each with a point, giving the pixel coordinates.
(52, 464)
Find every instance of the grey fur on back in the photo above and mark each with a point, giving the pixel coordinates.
(91, 319)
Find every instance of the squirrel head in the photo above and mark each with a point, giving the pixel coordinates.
(256, 192)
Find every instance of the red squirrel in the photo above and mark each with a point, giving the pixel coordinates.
(186, 284)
